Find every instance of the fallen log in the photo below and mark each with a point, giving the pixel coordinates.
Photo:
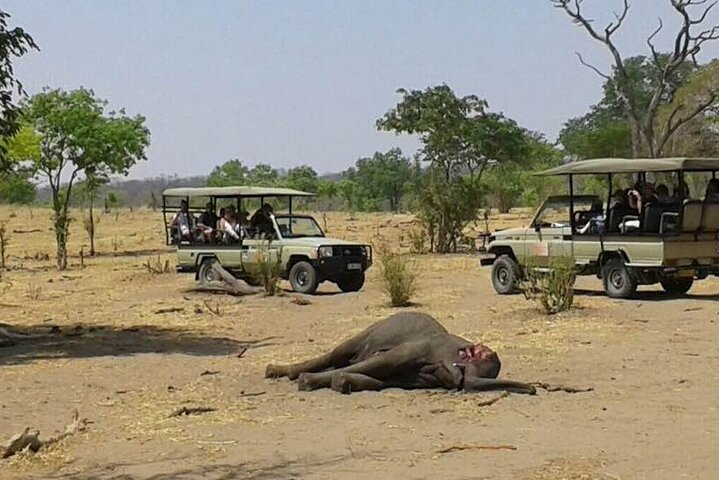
(8, 338)
(229, 284)
(30, 440)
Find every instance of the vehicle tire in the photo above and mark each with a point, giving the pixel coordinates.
(677, 286)
(505, 275)
(618, 281)
(351, 282)
(205, 274)
(303, 278)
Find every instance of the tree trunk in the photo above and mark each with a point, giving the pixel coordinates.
(91, 228)
(61, 233)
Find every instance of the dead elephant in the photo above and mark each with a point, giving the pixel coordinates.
(407, 350)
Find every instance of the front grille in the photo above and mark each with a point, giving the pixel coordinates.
(347, 251)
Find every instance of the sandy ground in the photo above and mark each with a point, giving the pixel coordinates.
(113, 355)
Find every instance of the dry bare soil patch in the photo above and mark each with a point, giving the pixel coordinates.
(128, 348)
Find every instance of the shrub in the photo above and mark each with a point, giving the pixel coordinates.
(266, 270)
(418, 241)
(156, 267)
(553, 289)
(399, 277)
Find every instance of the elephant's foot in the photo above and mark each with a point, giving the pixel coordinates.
(275, 371)
(340, 383)
(306, 382)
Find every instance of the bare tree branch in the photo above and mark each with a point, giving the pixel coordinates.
(673, 127)
(655, 54)
(592, 67)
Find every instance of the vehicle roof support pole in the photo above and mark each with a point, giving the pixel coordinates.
(680, 185)
(164, 219)
(609, 199)
(571, 203)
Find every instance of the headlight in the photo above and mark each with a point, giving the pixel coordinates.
(364, 251)
(324, 252)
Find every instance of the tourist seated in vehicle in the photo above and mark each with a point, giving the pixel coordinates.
(712, 191)
(208, 222)
(638, 198)
(229, 226)
(594, 219)
(183, 223)
(662, 193)
(619, 209)
(681, 192)
(261, 220)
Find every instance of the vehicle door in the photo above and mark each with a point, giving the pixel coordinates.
(550, 235)
(259, 249)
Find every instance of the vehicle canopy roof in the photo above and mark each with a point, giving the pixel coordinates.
(235, 191)
(633, 165)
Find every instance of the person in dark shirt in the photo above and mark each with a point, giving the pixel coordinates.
(261, 220)
(208, 222)
(712, 192)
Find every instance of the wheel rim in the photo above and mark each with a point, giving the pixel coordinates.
(209, 274)
(502, 276)
(302, 278)
(616, 279)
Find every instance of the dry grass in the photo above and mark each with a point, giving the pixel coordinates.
(114, 302)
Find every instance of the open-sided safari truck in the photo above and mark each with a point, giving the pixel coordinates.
(672, 240)
(306, 256)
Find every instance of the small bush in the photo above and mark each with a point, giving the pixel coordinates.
(552, 289)
(266, 270)
(399, 277)
(156, 267)
(418, 241)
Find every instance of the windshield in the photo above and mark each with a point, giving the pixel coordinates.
(555, 213)
(296, 227)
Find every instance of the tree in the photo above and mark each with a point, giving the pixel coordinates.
(14, 43)
(91, 186)
(232, 172)
(640, 106)
(303, 178)
(78, 138)
(16, 185)
(383, 177)
(460, 138)
(263, 175)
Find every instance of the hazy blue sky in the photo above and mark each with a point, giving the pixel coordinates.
(302, 82)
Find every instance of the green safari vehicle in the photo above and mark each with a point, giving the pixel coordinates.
(306, 256)
(670, 240)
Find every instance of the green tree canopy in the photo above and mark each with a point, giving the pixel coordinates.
(79, 138)
(382, 177)
(232, 172)
(460, 138)
(14, 43)
(302, 178)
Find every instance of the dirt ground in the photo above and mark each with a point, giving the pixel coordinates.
(116, 355)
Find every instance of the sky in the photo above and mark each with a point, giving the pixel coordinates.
(303, 82)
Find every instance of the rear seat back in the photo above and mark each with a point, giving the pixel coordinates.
(652, 217)
(691, 215)
(710, 217)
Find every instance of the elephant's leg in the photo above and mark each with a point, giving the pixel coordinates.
(354, 382)
(477, 384)
(339, 357)
(382, 366)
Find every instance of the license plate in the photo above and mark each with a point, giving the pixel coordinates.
(354, 266)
